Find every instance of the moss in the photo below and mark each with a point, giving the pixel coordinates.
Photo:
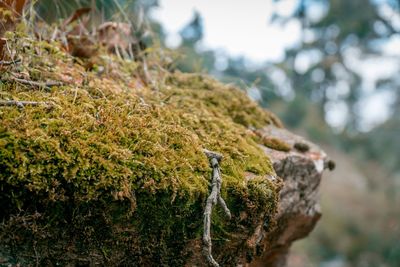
(224, 99)
(275, 144)
(117, 159)
(302, 147)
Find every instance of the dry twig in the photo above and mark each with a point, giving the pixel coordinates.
(37, 84)
(213, 199)
(21, 104)
(11, 62)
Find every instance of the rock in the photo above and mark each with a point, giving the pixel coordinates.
(115, 174)
(298, 210)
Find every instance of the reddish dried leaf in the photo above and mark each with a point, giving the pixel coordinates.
(115, 35)
(8, 22)
(76, 15)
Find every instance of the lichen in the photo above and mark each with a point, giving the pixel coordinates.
(115, 162)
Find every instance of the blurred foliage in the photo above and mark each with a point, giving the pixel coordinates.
(51, 10)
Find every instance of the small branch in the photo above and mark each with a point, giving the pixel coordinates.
(21, 104)
(147, 76)
(46, 85)
(37, 84)
(222, 203)
(213, 199)
(12, 62)
(212, 154)
(387, 23)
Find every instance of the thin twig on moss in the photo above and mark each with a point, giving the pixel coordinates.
(46, 85)
(11, 62)
(21, 104)
(213, 199)
(147, 77)
(38, 84)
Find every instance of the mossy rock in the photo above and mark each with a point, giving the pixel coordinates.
(112, 171)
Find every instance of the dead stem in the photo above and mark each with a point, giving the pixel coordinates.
(213, 199)
(21, 104)
(11, 62)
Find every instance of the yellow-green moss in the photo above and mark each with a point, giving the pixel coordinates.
(108, 138)
(222, 99)
(275, 143)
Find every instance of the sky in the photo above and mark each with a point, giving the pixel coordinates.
(238, 27)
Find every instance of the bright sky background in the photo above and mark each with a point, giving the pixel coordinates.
(238, 27)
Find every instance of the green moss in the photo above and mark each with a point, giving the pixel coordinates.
(110, 143)
(302, 147)
(275, 144)
(221, 99)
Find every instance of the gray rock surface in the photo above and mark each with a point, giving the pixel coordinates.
(301, 171)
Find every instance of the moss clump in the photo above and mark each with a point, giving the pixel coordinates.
(331, 165)
(275, 143)
(302, 147)
(221, 99)
(116, 169)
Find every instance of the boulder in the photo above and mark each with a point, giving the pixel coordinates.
(100, 167)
